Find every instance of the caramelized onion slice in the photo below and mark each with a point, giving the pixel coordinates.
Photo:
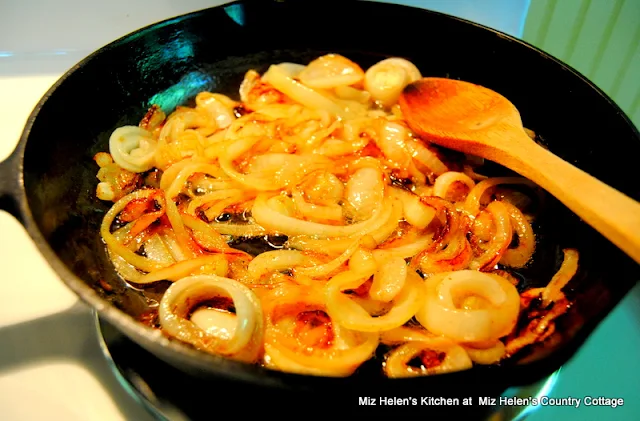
(336, 245)
(218, 107)
(486, 353)
(364, 192)
(491, 314)
(414, 211)
(336, 352)
(407, 250)
(500, 240)
(312, 211)
(472, 201)
(275, 260)
(389, 278)
(404, 334)
(279, 78)
(553, 291)
(386, 79)
(437, 355)
(270, 218)
(519, 256)
(446, 181)
(217, 263)
(179, 299)
(115, 245)
(351, 315)
(331, 71)
(326, 269)
(426, 157)
(456, 256)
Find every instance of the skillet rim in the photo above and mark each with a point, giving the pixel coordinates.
(221, 366)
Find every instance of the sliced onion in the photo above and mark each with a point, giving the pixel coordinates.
(318, 212)
(105, 191)
(323, 188)
(335, 147)
(352, 94)
(273, 220)
(386, 79)
(320, 271)
(238, 230)
(391, 139)
(444, 314)
(519, 256)
(553, 291)
(415, 212)
(365, 191)
(187, 245)
(179, 300)
(169, 240)
(472, 202)
(363, 261)
(446, 180)
(175, 178)
(133, 148)
(426, 157)
(490, 353)
(389, 278)
(456, 256)
(218, 264)
(276, 260)
(183, 136)
(116, 245)
(157, 250)
(407, 250)
(331, 71)
(269, 171)
(404, 334)
(239, 202)
(380, 231)
(292, 69)
(455, 358)
(219, 324)
(126, 270)
(217, 108)
(499, 241)
(303, 94)
(339, 357)
(351, 315)
(210, 198)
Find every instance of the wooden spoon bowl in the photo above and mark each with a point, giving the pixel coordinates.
(473, 119)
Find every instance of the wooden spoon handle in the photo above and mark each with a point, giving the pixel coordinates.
(613, 214)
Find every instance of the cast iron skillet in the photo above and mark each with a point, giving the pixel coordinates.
(49, 182)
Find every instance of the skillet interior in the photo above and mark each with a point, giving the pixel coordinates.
(170, 62)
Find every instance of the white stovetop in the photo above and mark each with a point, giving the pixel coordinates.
(51, 366)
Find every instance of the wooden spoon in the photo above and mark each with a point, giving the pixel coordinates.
(476, 120)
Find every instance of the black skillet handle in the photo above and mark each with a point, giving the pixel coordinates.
(10, 182)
